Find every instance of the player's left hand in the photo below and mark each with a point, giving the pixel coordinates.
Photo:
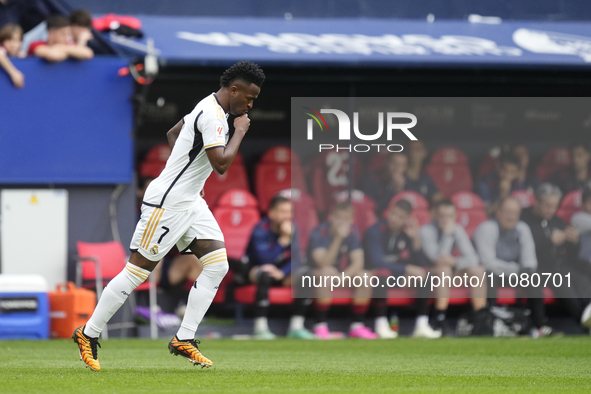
(202, 193)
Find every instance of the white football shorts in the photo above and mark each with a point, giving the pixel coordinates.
(159, 229)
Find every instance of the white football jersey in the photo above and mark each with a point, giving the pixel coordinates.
(188, 167)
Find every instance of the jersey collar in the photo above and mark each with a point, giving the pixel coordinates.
(216, 99)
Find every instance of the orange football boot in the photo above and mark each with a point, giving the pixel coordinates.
(190, 351)
(87, 348)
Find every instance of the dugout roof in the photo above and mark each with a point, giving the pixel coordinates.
(365, 42)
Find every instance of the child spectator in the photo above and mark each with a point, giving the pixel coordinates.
(59, 45)
(11, 37)
(81, 24)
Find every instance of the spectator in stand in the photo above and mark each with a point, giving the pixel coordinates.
(557, 248)
(495, 187)
(574, 178)
(416, 177)
(272, 252)
(505, 245)
(393, 245)
(448, 247)
(383, 184)
(59, 45)
(524, 181)
(11, 37)
(81, 25)
(335, 250)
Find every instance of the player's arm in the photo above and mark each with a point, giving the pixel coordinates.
(173, 134)
(221, 157)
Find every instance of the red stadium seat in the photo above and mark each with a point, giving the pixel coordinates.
(98, 263)
(363, 206)
(420, 206)
(470, 208)
(155, 161)
(330, 175)
(280, 154)
(571, 204)
(450, 179)
(234, 178)
(237, 198)
(449, 156)
(554, 160)
(526, 198)
(450, 171)
(237, 214)
(304, 214)
(274, 173)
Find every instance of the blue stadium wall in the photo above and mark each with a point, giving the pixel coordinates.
(71, 127)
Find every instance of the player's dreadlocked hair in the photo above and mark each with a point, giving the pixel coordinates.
(246, 71)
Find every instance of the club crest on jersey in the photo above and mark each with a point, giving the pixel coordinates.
(154, 250)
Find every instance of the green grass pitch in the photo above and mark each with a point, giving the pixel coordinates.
(471, 365)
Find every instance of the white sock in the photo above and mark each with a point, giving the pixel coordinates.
(356, 325)
(215, 267)
(382, 321)
(296, 323)
(260, 324)
(114, 295)
(422, 320)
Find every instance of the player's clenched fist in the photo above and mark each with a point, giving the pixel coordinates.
(242, 123)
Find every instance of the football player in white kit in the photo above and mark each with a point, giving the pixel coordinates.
(174, 212)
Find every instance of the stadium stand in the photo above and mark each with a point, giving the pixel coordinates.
(450, 171)
(470, 209)
(274, 173)
(554, 160)
(570, 204)
(237, 213)
(234, 178)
